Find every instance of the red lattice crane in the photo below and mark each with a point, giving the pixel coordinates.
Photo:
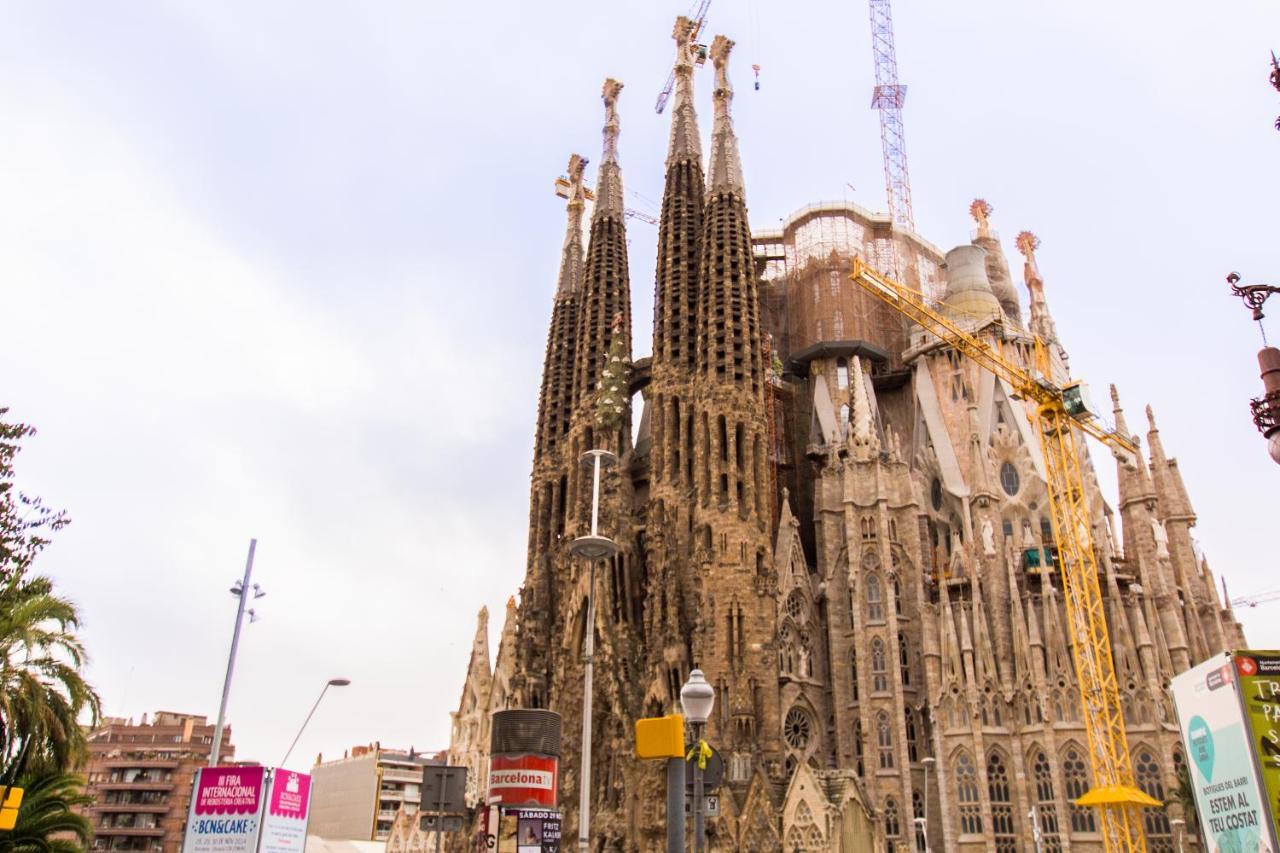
(888, 97)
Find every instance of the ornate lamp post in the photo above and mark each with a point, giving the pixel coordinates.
(1266, 409)
(697, 698)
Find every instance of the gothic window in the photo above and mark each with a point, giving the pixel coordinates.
(1046, 531)
(1046, 806)
(1002, 826)
(913, 749)
(892, 826)
(786, 649)
(1075, 775)
(795, 606)
(857, 748)
(796, 729)
(897, 596)
(842, 372)
(904, 659)
(844, 420)
(967, 794)
(917, 813)
(1009, 479)
(853, 672)
(935, 493)
(879, 668)
(1155, 820)
(884, 741)
(1006, 527)
(893, 530)
(875, 599)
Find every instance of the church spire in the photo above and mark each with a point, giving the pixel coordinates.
(726, 164)
(686, 143)
(605, 302)
(997, 266)
(555, 400)
(1041, 322)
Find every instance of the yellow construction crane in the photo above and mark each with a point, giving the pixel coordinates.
(1056, 412)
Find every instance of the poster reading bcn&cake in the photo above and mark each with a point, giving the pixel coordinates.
(226, 810)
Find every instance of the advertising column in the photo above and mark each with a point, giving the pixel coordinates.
(284, 827)
(1229, 799)
(226, 810)
(1259, 676)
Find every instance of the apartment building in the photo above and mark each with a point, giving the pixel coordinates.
(139, 776)
(357, 797)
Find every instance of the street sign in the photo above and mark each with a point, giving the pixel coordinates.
(712, 774)
(445, 823)
(443, 789)
(710, 805)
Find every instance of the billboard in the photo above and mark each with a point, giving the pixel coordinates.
(1259, 677)
(226, 810)
(1229, 801)
(284, 826)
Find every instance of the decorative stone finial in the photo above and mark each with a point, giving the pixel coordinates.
(1151, 418)
(571, 256)
(726, 165)
(609, 181)
(685, 141)
(981, 211)
(1027, 244)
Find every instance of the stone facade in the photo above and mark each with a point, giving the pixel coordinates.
(842, 521)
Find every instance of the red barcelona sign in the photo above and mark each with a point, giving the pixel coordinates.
(523, 780)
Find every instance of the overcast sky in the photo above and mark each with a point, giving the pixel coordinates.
(284, 270)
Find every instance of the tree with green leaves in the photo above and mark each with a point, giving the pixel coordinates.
(48, 821)
(44, 697)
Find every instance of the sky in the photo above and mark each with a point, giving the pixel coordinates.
(284, 271)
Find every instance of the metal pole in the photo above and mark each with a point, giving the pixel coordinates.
(699, 827)
(440, 811)
(588, 654)
(231, 658)
(304, 724)
(675, 805)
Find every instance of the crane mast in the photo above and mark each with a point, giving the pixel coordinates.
(888, 97)
(1056, 414)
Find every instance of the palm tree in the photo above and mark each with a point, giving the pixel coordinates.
(42, 693)
(46, 820)
(1185, 796)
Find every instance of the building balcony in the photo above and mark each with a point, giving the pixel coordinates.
(126, 808)
(138, 763)
(143, 831)
(396, 774)
(144, 785)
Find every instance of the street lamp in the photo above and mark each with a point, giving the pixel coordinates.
(333, 682)
(242, 591)
(697, 698)
(1265, 409)
(928, 761)
(1179, 824)
(593, 547)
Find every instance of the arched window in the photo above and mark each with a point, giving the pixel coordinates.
(1075, 777)
(879, 669)
(904, 659)
(917, 813)
(913, 749)
(857, 749)
(842, 372)
(1001, 804)
(844, 420)
(967, 794)
(897, 594)
(884, 741)
(875, 599)
(892, 826)
(853, 672)
(1046, 806)
(1046, 531)
(1156, 821)
(1009, 479)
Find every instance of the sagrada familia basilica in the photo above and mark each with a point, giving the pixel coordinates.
(840, 519)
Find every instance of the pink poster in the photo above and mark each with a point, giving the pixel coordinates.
(284, 827)
(226, 810)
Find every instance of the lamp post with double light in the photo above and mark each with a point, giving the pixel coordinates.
(697, 698)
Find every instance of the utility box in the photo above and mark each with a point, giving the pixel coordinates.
(9, 805)
(660, 737)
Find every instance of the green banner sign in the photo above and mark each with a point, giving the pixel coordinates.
(1259, 678)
